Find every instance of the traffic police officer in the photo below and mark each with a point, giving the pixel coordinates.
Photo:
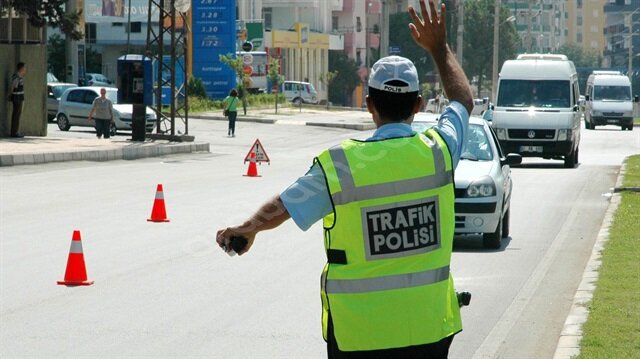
(388, 209)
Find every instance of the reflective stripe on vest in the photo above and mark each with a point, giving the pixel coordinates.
(397, 281)
(350, 193)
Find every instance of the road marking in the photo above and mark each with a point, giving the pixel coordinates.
(491, 346)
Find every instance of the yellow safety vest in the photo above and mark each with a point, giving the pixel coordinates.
(389, 243)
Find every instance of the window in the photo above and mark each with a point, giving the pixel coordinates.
(136, 27)
(75, 96)
(358, 24)
(579, 37)
(596, 13)
(579, 4)
(538, 93)
(594, 28)
(266, 15)
(89, 96)
(579, 21)
(334, 23)
(90, 33)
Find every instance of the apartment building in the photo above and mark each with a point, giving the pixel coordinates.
(585, 24)
(622, 34)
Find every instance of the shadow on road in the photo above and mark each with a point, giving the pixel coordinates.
(473, 244)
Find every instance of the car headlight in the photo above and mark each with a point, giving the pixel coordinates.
(596, 113)
(501, 133)
(564, 134)
(483, 187)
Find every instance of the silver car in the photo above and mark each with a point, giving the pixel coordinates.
(482, 182)
(54, 92)
(76, 103)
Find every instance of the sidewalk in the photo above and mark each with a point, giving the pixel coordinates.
(37, 150)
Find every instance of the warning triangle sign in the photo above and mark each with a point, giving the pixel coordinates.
(261, 154)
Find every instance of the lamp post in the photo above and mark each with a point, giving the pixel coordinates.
(496, 44)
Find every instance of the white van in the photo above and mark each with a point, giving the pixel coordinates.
(296, 92)
(608, 100)
(536, 113)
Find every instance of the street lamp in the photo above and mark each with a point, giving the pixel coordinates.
(496, 38)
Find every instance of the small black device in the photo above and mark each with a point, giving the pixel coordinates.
(237, 245)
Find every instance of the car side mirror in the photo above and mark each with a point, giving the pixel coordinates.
(51, 95)
(587, 98)
(636, 98)
(576, 108)
(491, 107)
(512, 159)
(485, 100)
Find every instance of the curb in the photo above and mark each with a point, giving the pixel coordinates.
(349, 126)
(571, 335)
(238, 119)
(109, 154)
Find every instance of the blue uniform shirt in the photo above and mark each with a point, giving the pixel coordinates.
(307, 199)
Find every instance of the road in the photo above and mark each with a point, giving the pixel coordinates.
(166, 290)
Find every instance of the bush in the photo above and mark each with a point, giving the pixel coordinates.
(196, 88)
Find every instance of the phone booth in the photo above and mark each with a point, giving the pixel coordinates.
(135, 86)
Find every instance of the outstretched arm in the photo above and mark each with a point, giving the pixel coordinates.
(430, 34)
(270, 215)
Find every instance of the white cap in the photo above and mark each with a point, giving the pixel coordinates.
(394, 68)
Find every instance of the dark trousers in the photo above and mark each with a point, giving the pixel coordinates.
(232, 122)
(103, 127)
(15, 115)
(437, 350)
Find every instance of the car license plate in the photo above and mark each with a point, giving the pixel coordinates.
(531, 148)
(612, 121)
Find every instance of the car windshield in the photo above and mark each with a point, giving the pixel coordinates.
(58, 90)
(526, 93)
(477, 147)
(612, 93)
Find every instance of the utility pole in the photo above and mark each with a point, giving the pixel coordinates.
(384, 30)
(496, 38)
(71, 48)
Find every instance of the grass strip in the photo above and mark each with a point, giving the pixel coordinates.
(613, 327)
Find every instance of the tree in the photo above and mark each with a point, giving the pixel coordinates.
(235, 63)
(400, 36)
(56, 56)
(580, 57)
(478, 35)
(274, 77)
(342, 86)
(46, 12)
(327, 79)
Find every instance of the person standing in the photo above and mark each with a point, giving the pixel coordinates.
(16, 96)
(387, 205)
(230, 104)
(103, 111)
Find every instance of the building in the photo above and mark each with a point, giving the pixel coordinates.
(622, 34)
(585, 23)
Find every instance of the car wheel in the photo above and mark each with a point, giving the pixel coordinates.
(112, 129)
(571, 159)
(297, 101)
(505, 224)
(63, 123)
(630, 128)
(492, 240)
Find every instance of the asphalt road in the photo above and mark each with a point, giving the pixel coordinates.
(166, 290)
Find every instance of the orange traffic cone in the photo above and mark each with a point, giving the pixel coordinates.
(252, 171)
(76, 273)
(158, 213)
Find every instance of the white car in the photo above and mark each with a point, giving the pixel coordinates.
(482, 182)
(300, 92)
(75, 105)
(54, 92)
(92, 79)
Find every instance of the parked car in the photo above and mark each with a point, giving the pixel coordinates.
(97, 80)
(54, 92)
(482, 182)
(296, 92)
(479, 106)
(75, 105)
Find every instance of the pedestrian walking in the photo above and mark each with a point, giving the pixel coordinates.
(230, 110)
(16, 96)
(387, 205)
(103, 110)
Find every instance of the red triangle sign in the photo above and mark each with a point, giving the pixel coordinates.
(261, 154)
